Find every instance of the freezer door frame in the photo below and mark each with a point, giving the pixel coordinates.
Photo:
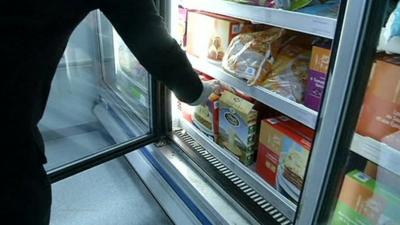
(361, 26)
(159, 124)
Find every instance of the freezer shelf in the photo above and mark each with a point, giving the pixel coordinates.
(286, 106)
(377, 152)
(306, 23)
(250, 177)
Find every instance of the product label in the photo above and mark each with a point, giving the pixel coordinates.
(267, 164)
(391, 120)
(320, 59)
(378, 118)
(232, 119)
(237, 28)
(315, 90)
(251, 71)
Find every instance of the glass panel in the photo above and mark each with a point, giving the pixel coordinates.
(99, 95)
(370, 192)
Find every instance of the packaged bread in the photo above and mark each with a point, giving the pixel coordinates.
(250, 55)
(276, 59)
(289, 73)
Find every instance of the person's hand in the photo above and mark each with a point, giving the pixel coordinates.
(215, 86)
(211, 90)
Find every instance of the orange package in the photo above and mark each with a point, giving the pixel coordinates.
(380, 114)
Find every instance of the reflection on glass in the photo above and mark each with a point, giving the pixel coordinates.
(99, 96)
(370, 193)
(368, 199)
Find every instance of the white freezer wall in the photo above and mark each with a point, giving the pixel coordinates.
(74, 88)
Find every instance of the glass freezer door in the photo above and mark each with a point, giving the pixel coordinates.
(100, 105)
(364, 186)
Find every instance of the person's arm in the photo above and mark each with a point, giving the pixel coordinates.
(144, 32)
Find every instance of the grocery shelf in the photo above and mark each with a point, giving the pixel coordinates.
(290, 108)
(377, 152)
(306, 23)
(248, 175)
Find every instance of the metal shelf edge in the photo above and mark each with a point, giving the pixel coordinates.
(302, 22)
(292, 109)
(377, 152)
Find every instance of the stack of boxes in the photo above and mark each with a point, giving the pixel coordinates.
(233, 121)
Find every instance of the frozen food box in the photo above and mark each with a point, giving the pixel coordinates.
(318, 71)
(380, 113)
(205, 116)
(284, 148)
(268, 157)
(363, 201)
(208, 35)
(238, 126)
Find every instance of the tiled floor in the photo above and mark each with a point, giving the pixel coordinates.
(109, 194)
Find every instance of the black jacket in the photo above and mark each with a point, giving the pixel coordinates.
(34, 34)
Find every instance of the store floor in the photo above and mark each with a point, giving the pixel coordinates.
(108, 194)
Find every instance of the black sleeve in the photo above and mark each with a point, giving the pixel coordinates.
(144, 32)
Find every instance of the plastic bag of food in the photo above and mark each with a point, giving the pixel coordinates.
(289, 73)
(276, 59)
(250, 55)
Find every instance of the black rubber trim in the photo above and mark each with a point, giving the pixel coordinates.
(90, 161)
(235, 192)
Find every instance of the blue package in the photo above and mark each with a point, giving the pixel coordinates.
(327, 9)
